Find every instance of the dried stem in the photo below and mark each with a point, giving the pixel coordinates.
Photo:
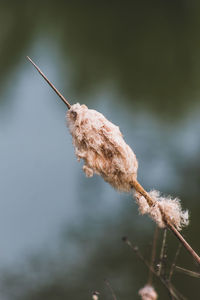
(51, 85)
(174, 293)
(137, 251)
(174, 261)
(142, 191)
(111, 289)
(171, 289)
(134, 183)
(153, 255)
(162, 252)
(187, 272)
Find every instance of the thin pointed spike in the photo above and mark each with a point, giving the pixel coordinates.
(51, 85)
(187, 272)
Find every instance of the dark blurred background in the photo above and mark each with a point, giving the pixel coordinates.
(138, 63)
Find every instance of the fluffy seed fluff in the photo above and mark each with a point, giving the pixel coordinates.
(148, 293)
(95, 295)
(101, 145)
(170, 207)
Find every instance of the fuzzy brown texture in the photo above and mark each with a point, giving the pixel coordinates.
(102, 147)
(171, 209)
(148, 293)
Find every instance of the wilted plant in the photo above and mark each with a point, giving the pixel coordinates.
(101, 145)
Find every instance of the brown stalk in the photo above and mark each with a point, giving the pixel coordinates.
(111, 289)
(135, 183)
(171, 289)
(170, 226)
(51, 85)
(153, 255)
(174, 261)
(187, 272)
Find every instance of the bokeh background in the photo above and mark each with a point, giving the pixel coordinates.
(137, 62)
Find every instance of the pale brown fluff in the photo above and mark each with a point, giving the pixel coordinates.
(171, 209)
(102, 147)
(148, 293)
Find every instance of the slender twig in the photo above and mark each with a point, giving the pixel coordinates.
(153, 255)
(110, 288)
(137, 251)
(162, 252)
(168, 286)
(174, 261)
(134, 182)
(51, 85)
(187, 272)
(173, 291)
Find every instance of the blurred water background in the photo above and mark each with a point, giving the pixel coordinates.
(136, 62)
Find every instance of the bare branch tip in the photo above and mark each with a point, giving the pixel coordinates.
(31, 61)
(49, 83)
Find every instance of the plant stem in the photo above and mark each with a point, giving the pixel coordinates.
(187, 272)
(137, 186)
(51, 84)
(111, 289)
(168, 285)
(153, 254)
(162, 252)
(174, 261)
(135, 183)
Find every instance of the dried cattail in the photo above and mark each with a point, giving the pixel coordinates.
(104, 151)
(148, 293)
(171, 208)
(102, 147)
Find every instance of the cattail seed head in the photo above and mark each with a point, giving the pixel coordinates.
(171, 208)
(148, 293)
(102, 147)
